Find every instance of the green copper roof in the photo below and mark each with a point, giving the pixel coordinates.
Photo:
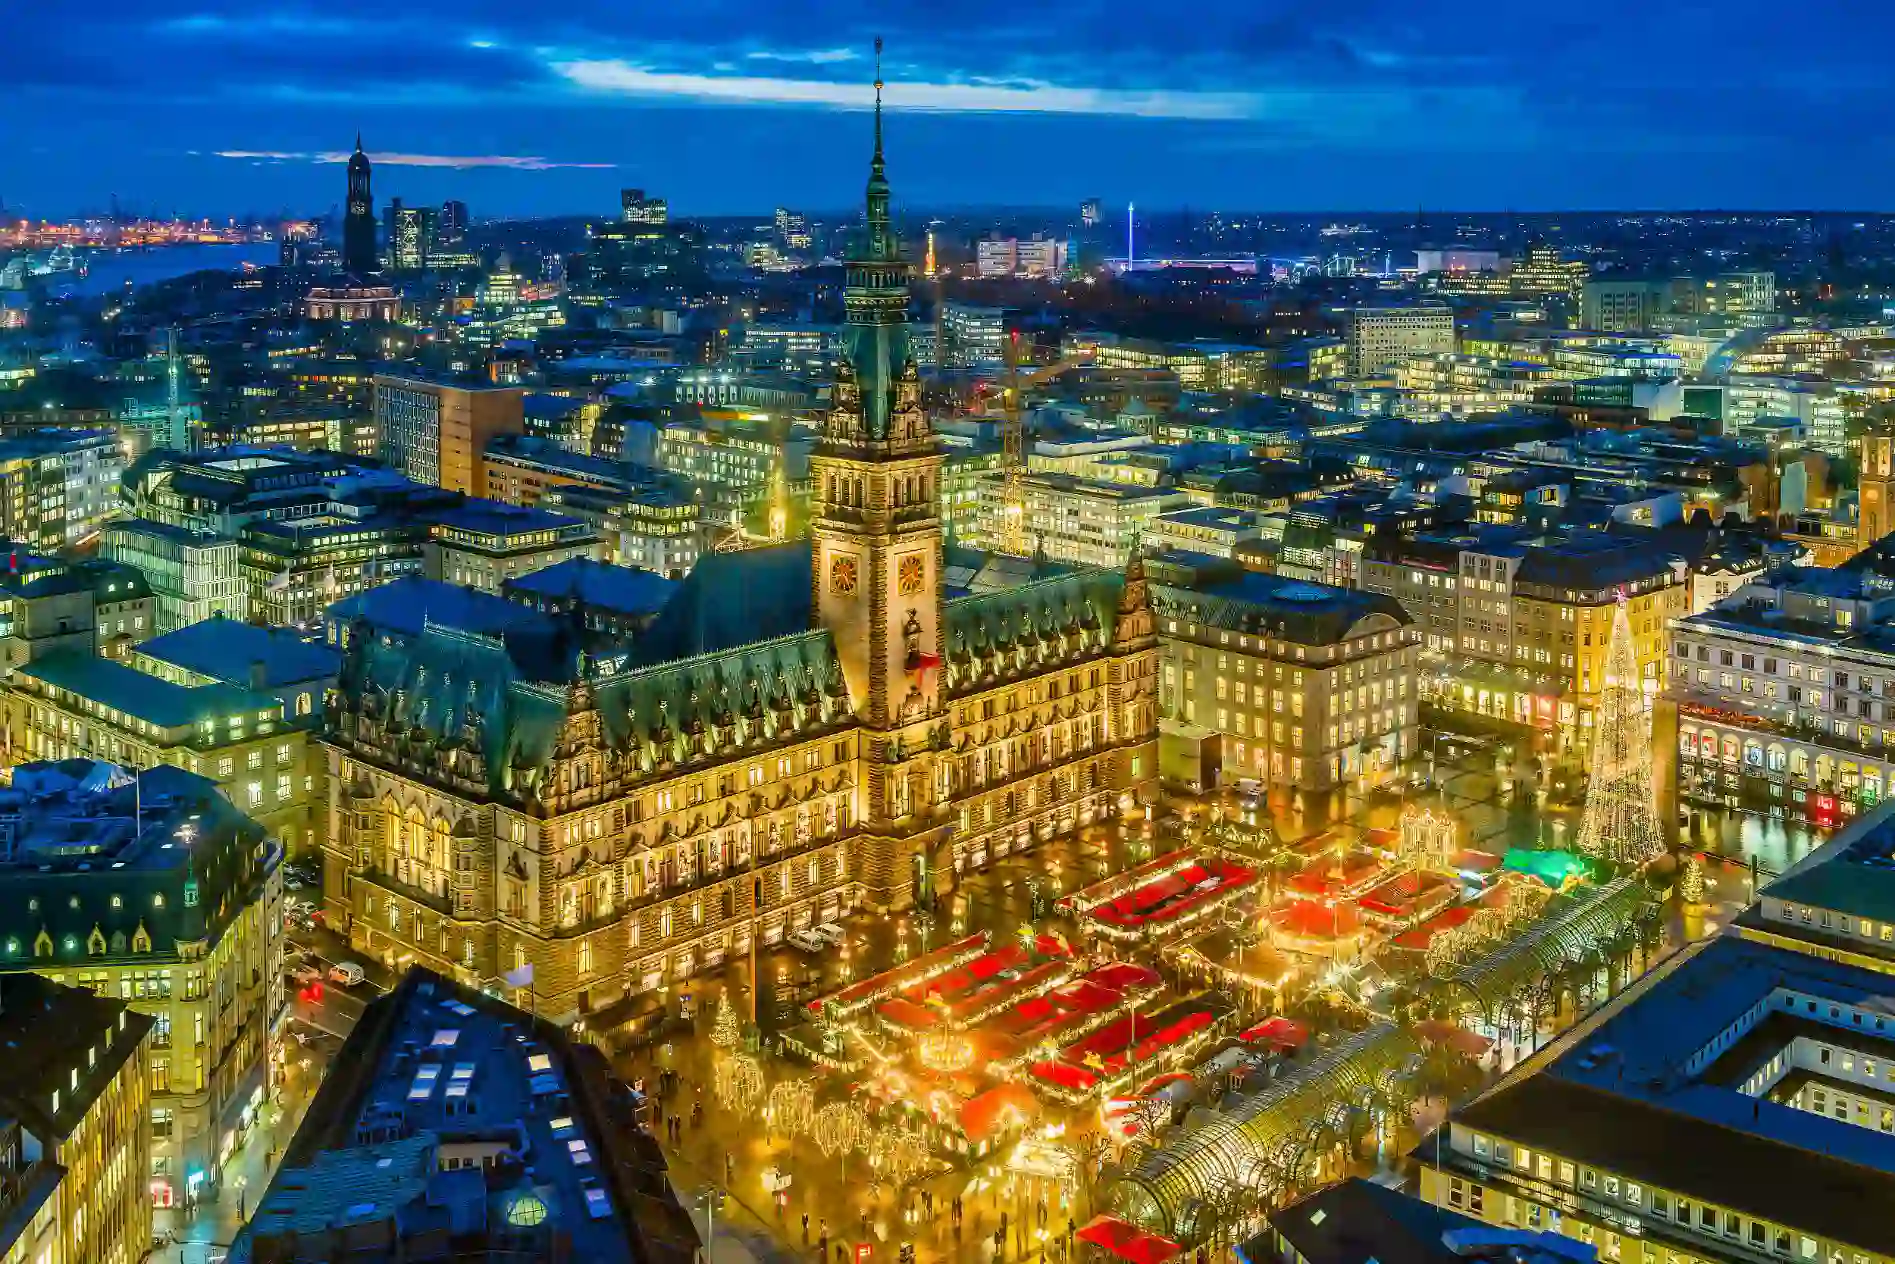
(994, 634)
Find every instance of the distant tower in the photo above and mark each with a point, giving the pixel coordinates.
(1875, 511)
(358, 223)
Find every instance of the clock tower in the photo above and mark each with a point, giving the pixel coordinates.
(875, 533)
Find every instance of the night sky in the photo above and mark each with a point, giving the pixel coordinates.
(230, 106)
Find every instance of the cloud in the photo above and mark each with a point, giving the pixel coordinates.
(805, 56)
(623, 78)
(510, 162)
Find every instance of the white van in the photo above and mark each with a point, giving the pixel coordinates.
(347, 973)
(807, 941)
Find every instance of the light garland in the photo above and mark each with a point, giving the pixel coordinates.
(945, 1051)
(738, 1083)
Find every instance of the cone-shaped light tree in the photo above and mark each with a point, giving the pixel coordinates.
(1620, 822)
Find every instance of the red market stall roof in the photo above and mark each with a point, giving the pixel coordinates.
(1317, 921)
(904, 1013)
(902, 976)
(1420, 937)
(1284, 1033)
(1455, 1037)
(986, 1114)
(1128, 1242)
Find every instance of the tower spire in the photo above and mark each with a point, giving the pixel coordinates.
(881, 236)
(877, 161)
(358, 142)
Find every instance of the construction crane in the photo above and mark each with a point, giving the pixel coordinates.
(1014, 535)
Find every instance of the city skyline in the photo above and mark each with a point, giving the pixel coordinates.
(734, 107)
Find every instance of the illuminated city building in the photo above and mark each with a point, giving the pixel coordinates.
(173, 907)
(483, 544)
(435, 431)
(1785, 692)
(1823, 409)
(1542, 270)
(792, 229)
(1382, 337)
(1036, 258)
(1089, 212)
(192, 574)
(1200, 365)
(411, 236)
(1311, 686)
(975, 334)
(1730, 1110)
(1517, 625)
(810, 725)
(1875, 486)
(352, 302)
(636, 208)
(75, 1126)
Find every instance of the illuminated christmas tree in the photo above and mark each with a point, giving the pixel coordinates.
(1620, 823)
(724, 1030)
(1691, 881)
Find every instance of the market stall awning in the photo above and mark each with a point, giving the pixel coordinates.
(1004, 1106)
(1128, 1241)
(1284, 1033)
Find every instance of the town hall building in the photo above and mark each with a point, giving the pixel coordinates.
(804, 729)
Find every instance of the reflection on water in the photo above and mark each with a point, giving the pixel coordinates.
(110, 270)
(1774, 842)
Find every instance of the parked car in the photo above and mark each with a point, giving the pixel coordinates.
(305, 975)
(347, 973)
(806, 941)
(829, 932)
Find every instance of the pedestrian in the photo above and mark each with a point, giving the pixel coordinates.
(730, 1167)
(822, 1247)
(805, 1228)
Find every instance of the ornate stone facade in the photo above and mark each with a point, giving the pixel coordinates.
(499, 800)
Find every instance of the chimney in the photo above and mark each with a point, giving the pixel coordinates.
(259, 675)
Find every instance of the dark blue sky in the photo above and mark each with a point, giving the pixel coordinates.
(735, 105)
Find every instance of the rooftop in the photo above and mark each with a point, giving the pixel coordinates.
(452, 1114)
(50, 1034)
(620, 589)
(228, 650)
(142, 696)
(1291, 609)
(1639, 1093)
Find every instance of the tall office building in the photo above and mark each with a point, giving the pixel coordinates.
(451, 228)
(1382, 337)
(636, 208)
(410, 236)
(792, 229)
(434, 432)
(1089, 212)
(358, 222)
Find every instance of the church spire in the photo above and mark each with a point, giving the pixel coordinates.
(881, 235)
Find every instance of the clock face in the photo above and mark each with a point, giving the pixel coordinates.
(842, 576)
(910, 575)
